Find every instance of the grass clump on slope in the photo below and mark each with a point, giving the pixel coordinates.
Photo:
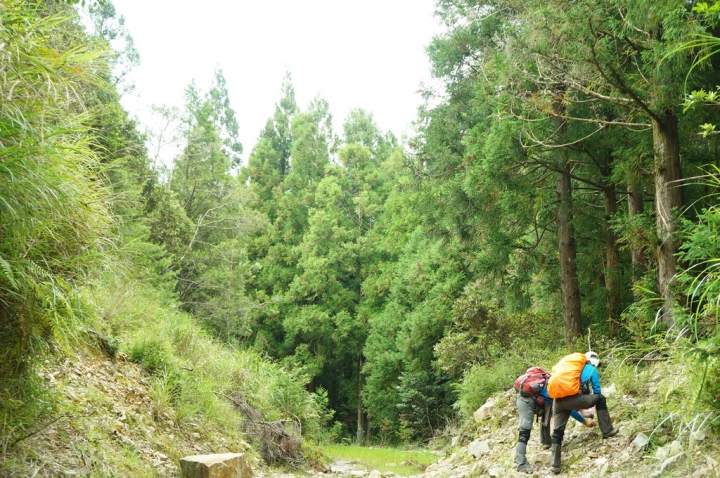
(195, 376)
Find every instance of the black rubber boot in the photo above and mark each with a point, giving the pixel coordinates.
(606, 426)
(556, 450)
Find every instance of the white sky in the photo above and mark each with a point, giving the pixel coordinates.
(353, 53)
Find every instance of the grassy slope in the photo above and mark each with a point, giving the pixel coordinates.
(157, 388)
(106, 421)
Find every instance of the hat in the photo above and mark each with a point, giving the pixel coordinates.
(592, 358)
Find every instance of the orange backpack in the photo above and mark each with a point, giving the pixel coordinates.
(565, 376)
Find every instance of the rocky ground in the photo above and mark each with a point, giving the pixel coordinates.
(585, 453)
(491, 450)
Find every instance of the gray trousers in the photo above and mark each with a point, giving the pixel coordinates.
(563, 406)
(527, 410)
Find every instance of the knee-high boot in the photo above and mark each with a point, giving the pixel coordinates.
(555, 451)
(520, 459)
(606, 426)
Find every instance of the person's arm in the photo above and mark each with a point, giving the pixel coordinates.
(576, 415)
(588, 422)
(544, 394)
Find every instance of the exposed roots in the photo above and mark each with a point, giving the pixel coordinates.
(279, 442)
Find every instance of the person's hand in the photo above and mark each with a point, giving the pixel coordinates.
(589, 423)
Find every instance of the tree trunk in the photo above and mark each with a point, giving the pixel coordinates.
(612, 258)
(569, 285)
(635, 207)
(668, 201)
(360, 414)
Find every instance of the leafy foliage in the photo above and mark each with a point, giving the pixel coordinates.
(53, 204)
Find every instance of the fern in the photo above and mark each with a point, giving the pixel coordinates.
(6, 272)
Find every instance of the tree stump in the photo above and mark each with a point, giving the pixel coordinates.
(224, 465)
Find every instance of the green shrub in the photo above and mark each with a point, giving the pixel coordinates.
(152, 353)
(481, 381)
(483, 332)
(24, 403)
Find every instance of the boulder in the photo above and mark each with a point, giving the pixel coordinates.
(375, 474)
(576, 453)
(495, 471)
(673, 448)
(486, 411)
(540, 458)
(224, 465)
(478, 448)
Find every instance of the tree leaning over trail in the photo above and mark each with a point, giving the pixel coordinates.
(611, 53)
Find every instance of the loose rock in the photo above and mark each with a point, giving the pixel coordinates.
(641, 441)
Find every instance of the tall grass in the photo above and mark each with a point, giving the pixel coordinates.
(195, 375)
(54, 216)
(53, 206)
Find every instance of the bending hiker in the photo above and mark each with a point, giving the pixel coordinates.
(569, 385)
(533, 400)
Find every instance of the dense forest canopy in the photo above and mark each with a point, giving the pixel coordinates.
(562, 183)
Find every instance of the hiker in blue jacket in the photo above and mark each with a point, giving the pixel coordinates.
(591, 395)
(528, 408)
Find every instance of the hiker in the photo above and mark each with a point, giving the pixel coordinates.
(529, 405)
(570, 385)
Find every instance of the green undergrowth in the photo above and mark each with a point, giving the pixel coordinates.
(193, 375)
(483, 380)
(400, 462)
(664, 393)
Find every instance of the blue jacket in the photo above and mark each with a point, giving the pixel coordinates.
(575, 414)
(590, 377)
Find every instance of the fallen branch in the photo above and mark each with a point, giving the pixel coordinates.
(38, 430)
(647, 359)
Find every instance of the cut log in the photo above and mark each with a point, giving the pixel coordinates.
(224, 465)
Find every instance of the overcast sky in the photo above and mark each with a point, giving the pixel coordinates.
(353, 53)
